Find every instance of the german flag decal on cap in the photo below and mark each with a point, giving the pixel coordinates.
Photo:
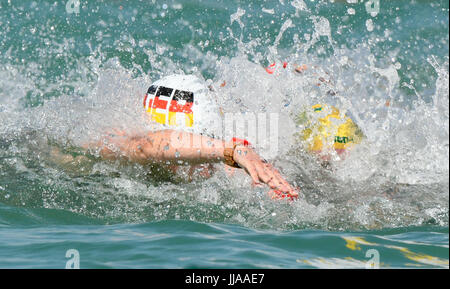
(167, 105)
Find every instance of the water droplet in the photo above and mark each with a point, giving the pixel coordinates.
(369, 25)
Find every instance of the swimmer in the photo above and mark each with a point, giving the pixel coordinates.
(182, 109)
(326, 130)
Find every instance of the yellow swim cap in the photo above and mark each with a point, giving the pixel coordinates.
(326, 128)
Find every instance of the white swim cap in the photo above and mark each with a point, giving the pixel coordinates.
(184, 102)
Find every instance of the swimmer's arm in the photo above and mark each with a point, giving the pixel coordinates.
(175, 146)
(165, 146)
(172, 147)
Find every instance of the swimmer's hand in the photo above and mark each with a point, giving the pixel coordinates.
(262, 171)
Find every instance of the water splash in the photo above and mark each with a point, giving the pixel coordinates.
(397, 177)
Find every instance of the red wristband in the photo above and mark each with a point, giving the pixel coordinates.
(243, 142)
(228, 153)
